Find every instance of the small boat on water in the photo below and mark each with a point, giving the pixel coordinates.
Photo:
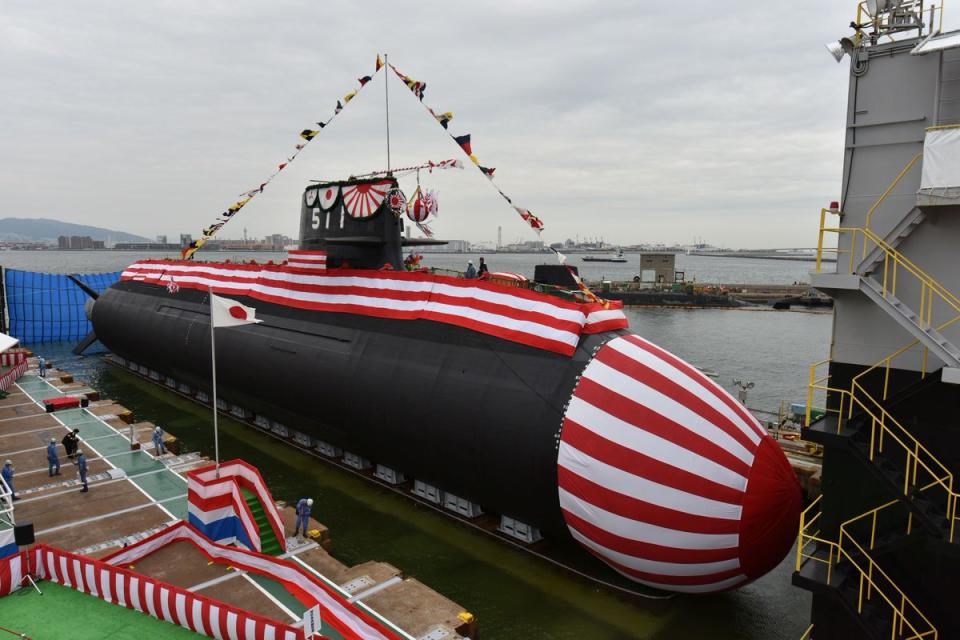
(610, 257)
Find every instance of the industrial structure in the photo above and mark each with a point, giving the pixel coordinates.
(879, 550)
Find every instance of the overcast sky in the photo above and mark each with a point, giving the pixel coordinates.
(634, 121)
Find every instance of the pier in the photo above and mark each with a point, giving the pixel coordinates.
(135, 496)
(702, 295)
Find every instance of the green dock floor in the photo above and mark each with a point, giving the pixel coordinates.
(62, 613)
(100, 439)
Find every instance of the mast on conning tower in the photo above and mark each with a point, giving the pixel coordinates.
(386, 96)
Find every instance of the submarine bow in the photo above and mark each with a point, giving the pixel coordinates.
(669, 480)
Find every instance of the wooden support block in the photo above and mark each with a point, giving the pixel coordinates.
(172, 444)
(66, 378)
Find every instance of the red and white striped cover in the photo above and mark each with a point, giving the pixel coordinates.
(163, 601)
(11, 572)
(211, 498)
(350, 621)
(304, 259)
(667, 478)
(510, 313)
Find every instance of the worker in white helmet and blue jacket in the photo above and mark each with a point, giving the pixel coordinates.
(303, 515)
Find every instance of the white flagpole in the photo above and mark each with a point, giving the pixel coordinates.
(213, 366)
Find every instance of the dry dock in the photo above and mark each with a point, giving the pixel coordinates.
(134, 494)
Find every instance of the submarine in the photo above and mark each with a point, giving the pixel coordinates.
(528, 400)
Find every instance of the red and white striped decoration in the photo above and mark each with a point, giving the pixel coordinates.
(13, 357)
(17, 359)
(362, 200)
(511, 313)
(667, 478)
(350, 621)
(12, 572)
(307, 259)
(211, 499)
(163, 601)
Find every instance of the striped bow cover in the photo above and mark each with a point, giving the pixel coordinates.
(667, 478)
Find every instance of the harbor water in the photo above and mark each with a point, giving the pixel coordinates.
(514, 594)
(705, 269)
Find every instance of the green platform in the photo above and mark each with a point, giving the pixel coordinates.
(62, 613)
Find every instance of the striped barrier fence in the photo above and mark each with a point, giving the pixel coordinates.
(216, 505)
(211, 618)
(17, 361)
(12, 572)
(12, 357)
(350, 621)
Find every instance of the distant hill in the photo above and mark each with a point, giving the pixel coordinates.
(47, 230)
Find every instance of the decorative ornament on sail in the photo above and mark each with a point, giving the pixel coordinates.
(397, 201)
(363, 200)
(422, 205)
(327, 197)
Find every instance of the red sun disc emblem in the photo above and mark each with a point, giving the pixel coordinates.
(238, 312)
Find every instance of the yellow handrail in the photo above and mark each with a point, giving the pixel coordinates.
(886, 431)
(893, 262)
(892, 186)
(871, 580)
(806, 634)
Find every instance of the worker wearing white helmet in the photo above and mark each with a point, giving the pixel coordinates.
(158, 447)
(304, 506)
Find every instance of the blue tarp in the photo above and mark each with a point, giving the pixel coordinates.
(46, 307)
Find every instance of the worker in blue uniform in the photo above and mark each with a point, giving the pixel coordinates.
(82, 470)
(7, 475)
(303, 515)
(158, 447)
(52, 458)
(42, 367)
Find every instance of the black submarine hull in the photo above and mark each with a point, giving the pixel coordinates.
(473, 414)
(530, 402)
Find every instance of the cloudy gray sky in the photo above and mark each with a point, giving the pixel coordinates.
(634, 121)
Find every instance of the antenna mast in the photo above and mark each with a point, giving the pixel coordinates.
(386, 94)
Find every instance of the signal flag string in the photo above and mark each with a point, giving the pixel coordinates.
(418, 88)
(307, 135)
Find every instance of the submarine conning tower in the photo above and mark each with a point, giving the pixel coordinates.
(355, 222)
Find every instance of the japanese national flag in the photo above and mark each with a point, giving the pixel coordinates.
(229, 313)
